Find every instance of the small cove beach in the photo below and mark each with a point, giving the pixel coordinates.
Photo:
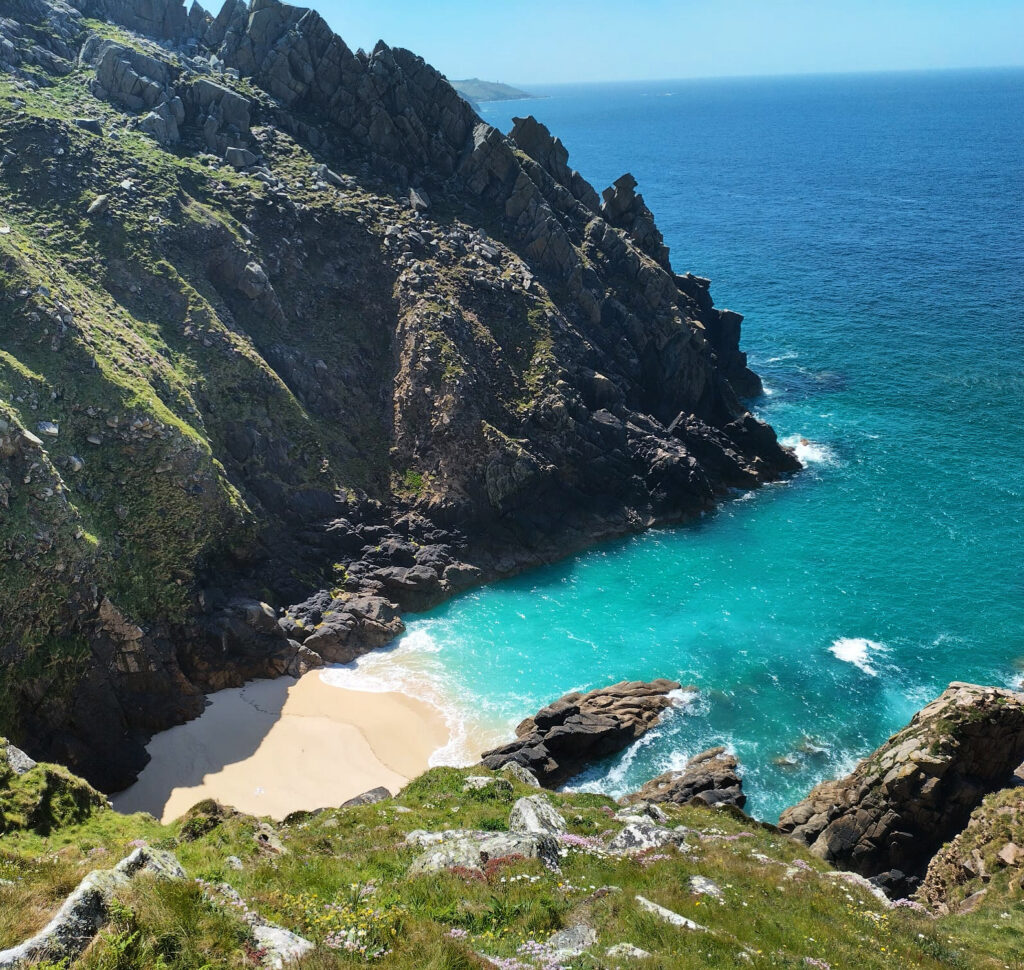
(278, 746)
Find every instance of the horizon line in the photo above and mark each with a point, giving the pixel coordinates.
(750, 77)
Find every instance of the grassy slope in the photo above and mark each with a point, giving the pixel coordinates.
(347, 869)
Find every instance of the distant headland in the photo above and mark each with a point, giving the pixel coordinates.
(475, 90)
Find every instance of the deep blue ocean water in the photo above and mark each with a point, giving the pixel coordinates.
(871, 229)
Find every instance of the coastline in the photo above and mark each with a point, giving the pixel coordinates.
(277, 746)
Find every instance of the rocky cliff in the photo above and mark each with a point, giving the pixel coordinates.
(917, 791)
(285, 323)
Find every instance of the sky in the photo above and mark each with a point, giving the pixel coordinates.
(553, 41)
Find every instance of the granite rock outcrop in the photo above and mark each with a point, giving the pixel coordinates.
(888, 818)
(565, 737)
(710, 778)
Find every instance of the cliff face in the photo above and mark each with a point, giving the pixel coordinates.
(279, 317)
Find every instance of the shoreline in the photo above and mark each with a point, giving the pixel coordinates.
(277, 746)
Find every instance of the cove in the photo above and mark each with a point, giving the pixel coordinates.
(877, 257)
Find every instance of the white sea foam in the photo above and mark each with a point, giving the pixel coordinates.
(412, 668)
(810, 452)
(857, 651)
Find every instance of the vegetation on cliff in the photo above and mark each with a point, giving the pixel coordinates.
(342, 879)
(278, 318)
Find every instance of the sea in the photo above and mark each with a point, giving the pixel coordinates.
(871, 230)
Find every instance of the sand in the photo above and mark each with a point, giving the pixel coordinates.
(277, 746)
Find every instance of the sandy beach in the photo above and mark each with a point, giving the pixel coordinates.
(277, 746)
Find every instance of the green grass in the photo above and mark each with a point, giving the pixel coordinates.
(347, 870)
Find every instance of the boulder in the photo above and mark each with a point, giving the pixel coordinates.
(917, 791)
(370, 797)
(515, 770)
(535, 815)
(16, 759)
(565, 737)
(239, 157)
(642, 835)
(709, 778)
(473, 850)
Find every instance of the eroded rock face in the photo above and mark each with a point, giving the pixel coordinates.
(710, 777)
(415, 355)
(563, 738)
(918, 790)
(987, 854)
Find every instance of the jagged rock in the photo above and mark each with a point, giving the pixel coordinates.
(709, 777)
(917, 790)
(85, 911)
(419, 200)
(15, 758)
(578, 729)
(472, 850)
(535, 815)
(506, 458)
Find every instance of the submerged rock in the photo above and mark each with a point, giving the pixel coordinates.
(565, 737)
(918, 790)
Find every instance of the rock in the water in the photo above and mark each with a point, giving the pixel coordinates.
(535, 815)
(918, 790)
(563, 738)
(709, 777)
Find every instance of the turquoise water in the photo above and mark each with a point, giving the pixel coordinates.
(871, 229)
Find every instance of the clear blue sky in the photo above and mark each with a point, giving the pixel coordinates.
(536, 41)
